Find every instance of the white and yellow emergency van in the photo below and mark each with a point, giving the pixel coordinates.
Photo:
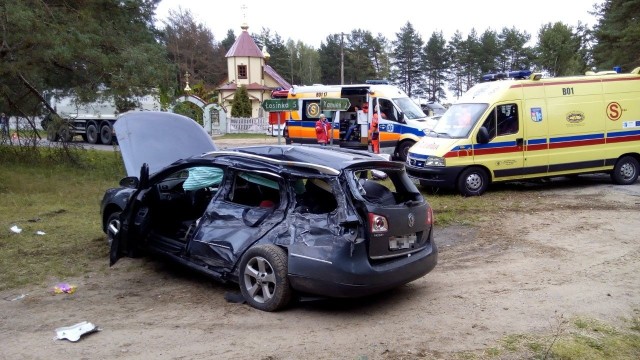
(402, 123)
(534, 127)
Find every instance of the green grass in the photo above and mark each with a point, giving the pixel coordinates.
(585, 339)
(63, 202)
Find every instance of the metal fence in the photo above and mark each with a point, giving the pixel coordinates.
(248, 125)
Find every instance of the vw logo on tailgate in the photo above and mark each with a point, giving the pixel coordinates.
(411, 220)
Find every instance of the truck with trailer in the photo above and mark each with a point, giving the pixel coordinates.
(92, 121)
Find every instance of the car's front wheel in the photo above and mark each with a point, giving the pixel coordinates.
(113, 226)
(263, 278)
(403, 150)
(473, 182)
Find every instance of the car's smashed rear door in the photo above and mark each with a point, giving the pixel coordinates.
(250, 204)
(398, 218)
(321, 226)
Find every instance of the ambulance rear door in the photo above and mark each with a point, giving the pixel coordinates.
(354, 123)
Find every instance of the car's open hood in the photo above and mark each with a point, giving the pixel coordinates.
(158, 139)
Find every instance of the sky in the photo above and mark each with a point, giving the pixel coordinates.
(311, 22)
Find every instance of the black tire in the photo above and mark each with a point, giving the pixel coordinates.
(429, 189)
(403, 150)
(65, 134)
(473, 182)
(626, 171)
(92, 134)
(263, 278)
(51, 134)
(112, 225)
(106, 134)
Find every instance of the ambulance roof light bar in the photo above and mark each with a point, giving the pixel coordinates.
(518, 75)
(377, 82)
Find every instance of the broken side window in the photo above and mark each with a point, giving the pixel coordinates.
(182, 197)
(314, 195)
(257, 190)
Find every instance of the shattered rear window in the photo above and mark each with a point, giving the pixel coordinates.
(383, 187)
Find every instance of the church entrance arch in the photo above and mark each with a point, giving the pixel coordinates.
(214, 117)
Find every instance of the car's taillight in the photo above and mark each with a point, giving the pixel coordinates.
(378, 223)
(429, 216)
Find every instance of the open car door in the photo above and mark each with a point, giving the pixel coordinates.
(132, 220)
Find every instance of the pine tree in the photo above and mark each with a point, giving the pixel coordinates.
(617, 34)
(436, 62)
(241, 105)
(558, 50)
(456, 49)
(513, 53)
(329, 59)
(278, 52)
(358, 66)
(407, 56)
(489, 52)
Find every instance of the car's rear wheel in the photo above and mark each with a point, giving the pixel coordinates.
(473, 182)
(263, 278)
(626, 171)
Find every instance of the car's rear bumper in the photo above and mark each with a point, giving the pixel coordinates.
(358, 276)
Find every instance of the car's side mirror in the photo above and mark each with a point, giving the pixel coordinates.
(483, 135)
(129, 182)
(401, 117)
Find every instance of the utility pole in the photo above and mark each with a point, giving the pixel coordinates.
(341, 58)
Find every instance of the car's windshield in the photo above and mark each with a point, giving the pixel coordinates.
(436, 108)
(409, 108)
(458, 120)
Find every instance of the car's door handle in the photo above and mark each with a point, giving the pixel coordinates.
(519, 141)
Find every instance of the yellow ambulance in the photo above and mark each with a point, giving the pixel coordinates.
(532, 127)
(402, 122)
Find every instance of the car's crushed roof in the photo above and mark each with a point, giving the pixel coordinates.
(325, 160)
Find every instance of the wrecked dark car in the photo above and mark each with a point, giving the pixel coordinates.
(280, 221)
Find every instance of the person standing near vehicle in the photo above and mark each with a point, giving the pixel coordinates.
(4, 125)
(323, 127)
(374, 132)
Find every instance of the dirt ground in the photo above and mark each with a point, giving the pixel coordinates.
(573, 250)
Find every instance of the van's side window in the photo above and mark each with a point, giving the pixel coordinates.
(507, 116)
(503, 120)
(386, 107)
(490, 124)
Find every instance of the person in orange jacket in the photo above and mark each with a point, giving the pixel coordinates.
(323, 127)
(374, 132)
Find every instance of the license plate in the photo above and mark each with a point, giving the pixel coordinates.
(402, 242)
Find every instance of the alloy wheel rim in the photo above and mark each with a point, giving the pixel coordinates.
(259, 279)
